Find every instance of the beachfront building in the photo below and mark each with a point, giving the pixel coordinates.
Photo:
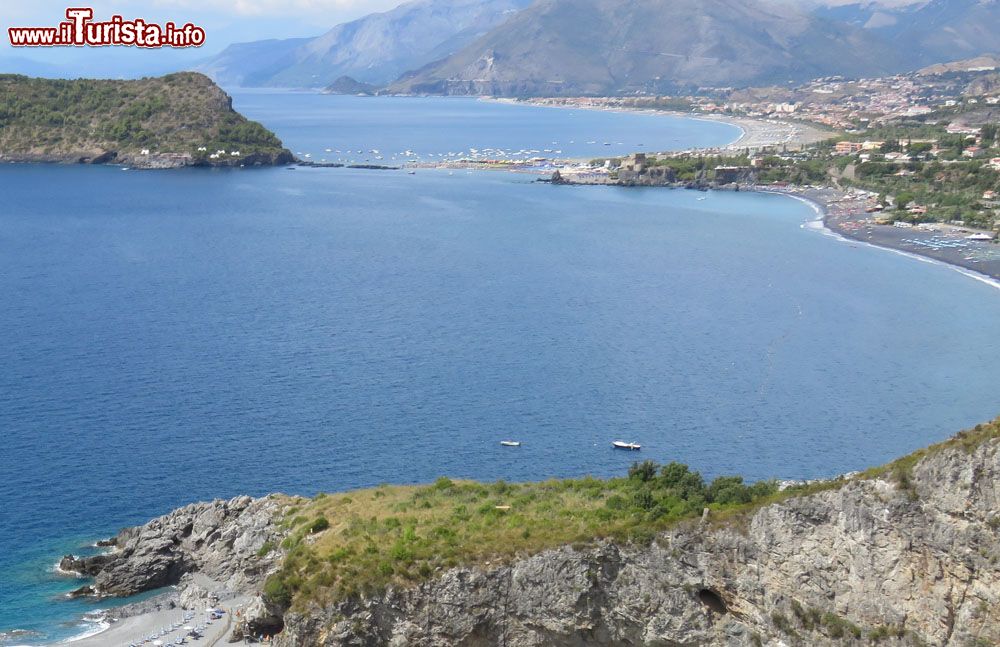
(846, 148)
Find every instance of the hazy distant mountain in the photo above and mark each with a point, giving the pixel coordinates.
(252, 64)
(28, 67)
(374, 49)
(930, 31)
(985, 62)
(613, 46)
(96, 62)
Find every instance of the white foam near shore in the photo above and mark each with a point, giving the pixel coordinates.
(98, 626)
(19, 634)
(818, 224)
(59, 570)
(137, 628)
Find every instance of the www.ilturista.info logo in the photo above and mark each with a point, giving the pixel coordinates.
(79, 30)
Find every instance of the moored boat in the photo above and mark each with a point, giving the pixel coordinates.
(510, 443)
(621, 444)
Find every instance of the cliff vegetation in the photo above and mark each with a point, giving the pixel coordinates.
(903, 554)
(361, 542)
(176, 120)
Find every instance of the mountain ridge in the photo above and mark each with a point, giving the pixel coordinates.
(654, 46)
(374, 49)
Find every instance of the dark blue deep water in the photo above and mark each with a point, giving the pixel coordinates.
(170, 337)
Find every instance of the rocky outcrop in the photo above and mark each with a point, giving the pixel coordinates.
(906, 559)
(272, 158)
(177, 120)
(233, 542)
(907, 556)
(348, 85)
(84, 566)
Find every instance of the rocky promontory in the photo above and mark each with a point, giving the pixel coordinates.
(908, 554)
(235, 543)
(181, 119)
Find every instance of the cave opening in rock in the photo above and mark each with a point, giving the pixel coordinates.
(712, 600)
(267, 626)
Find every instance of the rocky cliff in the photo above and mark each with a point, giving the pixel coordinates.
(235, 543)
(905, 555)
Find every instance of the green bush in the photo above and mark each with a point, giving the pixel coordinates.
(644, 471)
(277, 591)
(319, 525)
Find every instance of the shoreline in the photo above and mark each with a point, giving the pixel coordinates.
(839, 225)
(831, 224)
(845, 215)
(137, 621)
(754, 133)
(152, 162)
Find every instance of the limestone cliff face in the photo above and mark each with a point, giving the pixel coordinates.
(233, 542)
(910, 562)
(912, 558)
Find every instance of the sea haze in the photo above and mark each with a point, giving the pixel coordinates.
(179, 336)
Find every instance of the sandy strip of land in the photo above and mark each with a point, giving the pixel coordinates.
(760, 133)
(845, 215)
(756, 133)
(137, 629)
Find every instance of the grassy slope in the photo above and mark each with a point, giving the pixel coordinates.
(360, 542)
(178, 113)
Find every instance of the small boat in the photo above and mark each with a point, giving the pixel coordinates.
(621, 444)
(510, 443)
(412, 172)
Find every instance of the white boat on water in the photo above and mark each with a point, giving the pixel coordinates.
(510, 443)
(621, 444)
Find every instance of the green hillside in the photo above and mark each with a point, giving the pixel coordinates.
(345, 544)
(177, 120)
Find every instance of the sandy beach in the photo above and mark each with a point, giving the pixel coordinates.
(138, 629)
(756, 133)
(844, 214)
(760, 133)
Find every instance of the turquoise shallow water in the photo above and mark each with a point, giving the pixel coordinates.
(171, 337)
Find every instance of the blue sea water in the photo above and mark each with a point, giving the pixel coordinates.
(432, 127)
(178, 336)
